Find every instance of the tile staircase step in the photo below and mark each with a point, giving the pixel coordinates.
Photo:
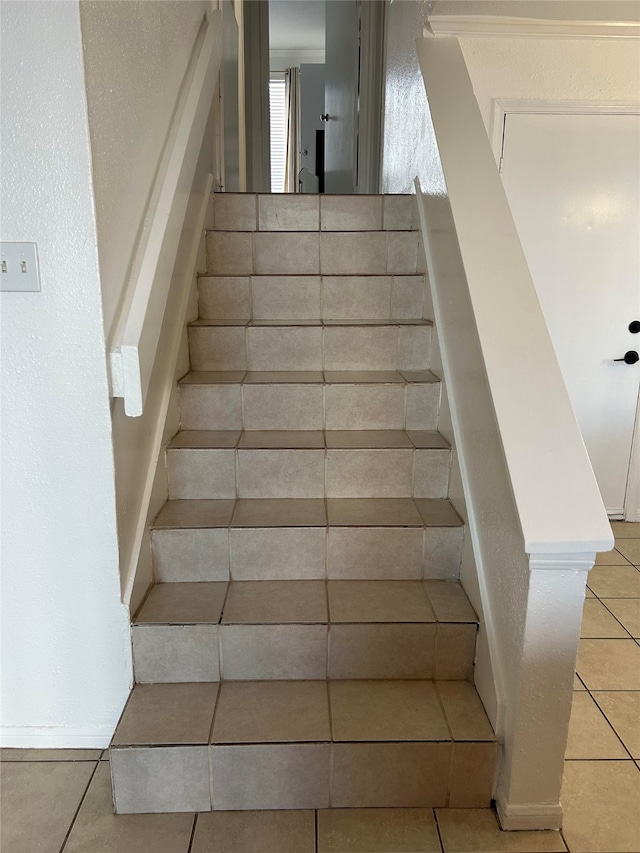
(299, 297)
(310, 400)
(307, 538)
(289, 629)
(276, 212)
(302, 744)
(282, 464)
(309, 345)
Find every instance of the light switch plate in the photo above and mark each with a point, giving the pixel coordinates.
(19, 269)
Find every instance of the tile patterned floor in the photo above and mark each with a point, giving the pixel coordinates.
(59, 801)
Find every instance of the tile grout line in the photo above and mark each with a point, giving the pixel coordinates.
(77, 812)
(193, 832)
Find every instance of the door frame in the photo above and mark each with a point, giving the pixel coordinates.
(501, 107)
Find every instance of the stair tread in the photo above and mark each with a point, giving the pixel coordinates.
(308, 512)
(297, 439)
(305, 377)
(360, 321)
(296, 602)
(338, 711)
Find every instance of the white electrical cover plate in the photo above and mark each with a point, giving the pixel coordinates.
(19, 269)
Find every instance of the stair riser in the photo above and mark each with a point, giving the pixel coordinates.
(282, 553)
(310, 407)
(302, 776)
(311, 297)
(228, 473)
(300, 253)
(187, 653)
(265, 348)
(308, 212)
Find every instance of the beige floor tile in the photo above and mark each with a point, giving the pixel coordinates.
(161, 780)
(464, 711)
(217, 347)
(201, 474)
(175, 653)
(590, 735)
(224, 297)
(478, 831)
(402, 253)
(255, 832)
(377, 831)
(186, 514)
(577, 684)
(282, 377)
(213, 377)
(454, 651)
(377, 474)
(365, 377)
(39, 801)
(439, 513)
(353, 253)
(229, 254)
(407, 299)
(190, 555)
(400, 213)
(280, 512)
(473, 769)
(597, 622)
(286, 254)
(382, 651)
(284, 348)
(281, 473)
(615, 581)
(282, 439)
(272, 712)
(270, 776)
(286, 297)
(262, 652)
(167, 714)
(625, 530)
(427, 438)
(288, 212)
(379, 775)
(386, 711)
(204, 438)
(183, 603)
(609, 664)
(611, 558)
(269, 602)
(283, 407)
(627, 611)
(630, 549)
(369, 438)
(354, 297)
(278, 553)
(370, 553)
(234, 211)
(9, 754)
(361, 347)
(350, 213)
(370, 407)
(601, 804)
(378, 601)
(98, 830)
(373, 512)
(211, 406)
(622, 709)
(449, 601)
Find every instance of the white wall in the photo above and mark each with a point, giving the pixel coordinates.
(135, 54)
(65, 653)
(408, 148)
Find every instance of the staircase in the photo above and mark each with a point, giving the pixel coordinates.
(306, 643)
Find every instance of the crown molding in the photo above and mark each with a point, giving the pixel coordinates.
(491, 25)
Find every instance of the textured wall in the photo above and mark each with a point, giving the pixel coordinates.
(409, 147)
(65, 653)
(135, 54)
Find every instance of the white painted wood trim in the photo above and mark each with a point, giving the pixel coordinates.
(502, 106)
(135, 342)
(632, 496)
(184, 280)
(528, 815)
(492, 25)
(543, 447)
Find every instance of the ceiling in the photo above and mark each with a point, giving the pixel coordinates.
(296, 24)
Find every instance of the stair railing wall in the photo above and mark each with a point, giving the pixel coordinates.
(525, 485)
(149, 350)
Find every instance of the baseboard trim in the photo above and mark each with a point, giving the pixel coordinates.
(528, 815)
(55, 737)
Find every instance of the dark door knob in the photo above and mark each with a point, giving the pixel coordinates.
(325, 116)
(634, 327)
(629, 357)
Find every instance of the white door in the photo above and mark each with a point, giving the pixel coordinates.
(573, 183)
(342, 60)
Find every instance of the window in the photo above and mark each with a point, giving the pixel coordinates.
(278, 118)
